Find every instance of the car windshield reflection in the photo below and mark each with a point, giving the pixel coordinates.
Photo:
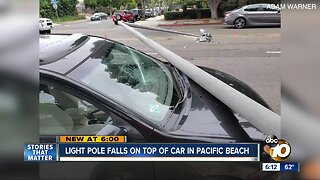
(131, 79)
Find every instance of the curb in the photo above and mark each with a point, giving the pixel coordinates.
(196, 24)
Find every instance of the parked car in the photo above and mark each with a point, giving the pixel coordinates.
(98, 16)
(118, 86)
(91, 85)
(254, 15)
(123, 15)
(148, 13)
(45, 25)
(137, 14)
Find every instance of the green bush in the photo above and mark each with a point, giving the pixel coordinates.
(205, 13)
(188, 14)
(171, 15)
(68, 18)
(65, 8)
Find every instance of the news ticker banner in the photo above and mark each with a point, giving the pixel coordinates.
(158, 152)
(115, 148)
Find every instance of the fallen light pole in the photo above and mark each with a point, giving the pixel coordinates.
(264, 119)
(204, 37)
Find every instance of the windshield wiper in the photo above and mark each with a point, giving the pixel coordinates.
(183, 90)
(180, 83)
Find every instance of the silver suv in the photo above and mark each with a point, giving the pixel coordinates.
(254, 15)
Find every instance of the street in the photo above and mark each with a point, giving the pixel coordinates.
(251, 55)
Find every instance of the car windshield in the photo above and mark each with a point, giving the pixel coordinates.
(130, 78)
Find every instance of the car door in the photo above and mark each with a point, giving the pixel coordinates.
(272, 14)
(254, 14)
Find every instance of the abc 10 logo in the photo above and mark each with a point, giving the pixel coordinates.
(278, 149)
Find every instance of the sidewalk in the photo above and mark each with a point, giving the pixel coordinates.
(159, 21)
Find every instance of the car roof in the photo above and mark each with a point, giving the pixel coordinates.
(61, 53)
(256, 4)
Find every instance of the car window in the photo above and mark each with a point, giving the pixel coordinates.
(64, 114)
(253, 8)
(267, 7)
(131, 78)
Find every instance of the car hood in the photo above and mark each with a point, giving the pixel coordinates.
(209, 117)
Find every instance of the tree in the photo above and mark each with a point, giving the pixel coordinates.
(91, 4)
(141, 5)
(213, 5)
(65, 8)
(102, 3)
(132, 4)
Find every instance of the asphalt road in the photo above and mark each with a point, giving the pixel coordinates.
(252, 55)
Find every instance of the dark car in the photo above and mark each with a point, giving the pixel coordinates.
(98, 16)
(123, 15)
(254, 15)
(95, 86)
(137, 14)
(116, 84)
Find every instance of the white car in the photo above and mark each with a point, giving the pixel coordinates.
(45, 25)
